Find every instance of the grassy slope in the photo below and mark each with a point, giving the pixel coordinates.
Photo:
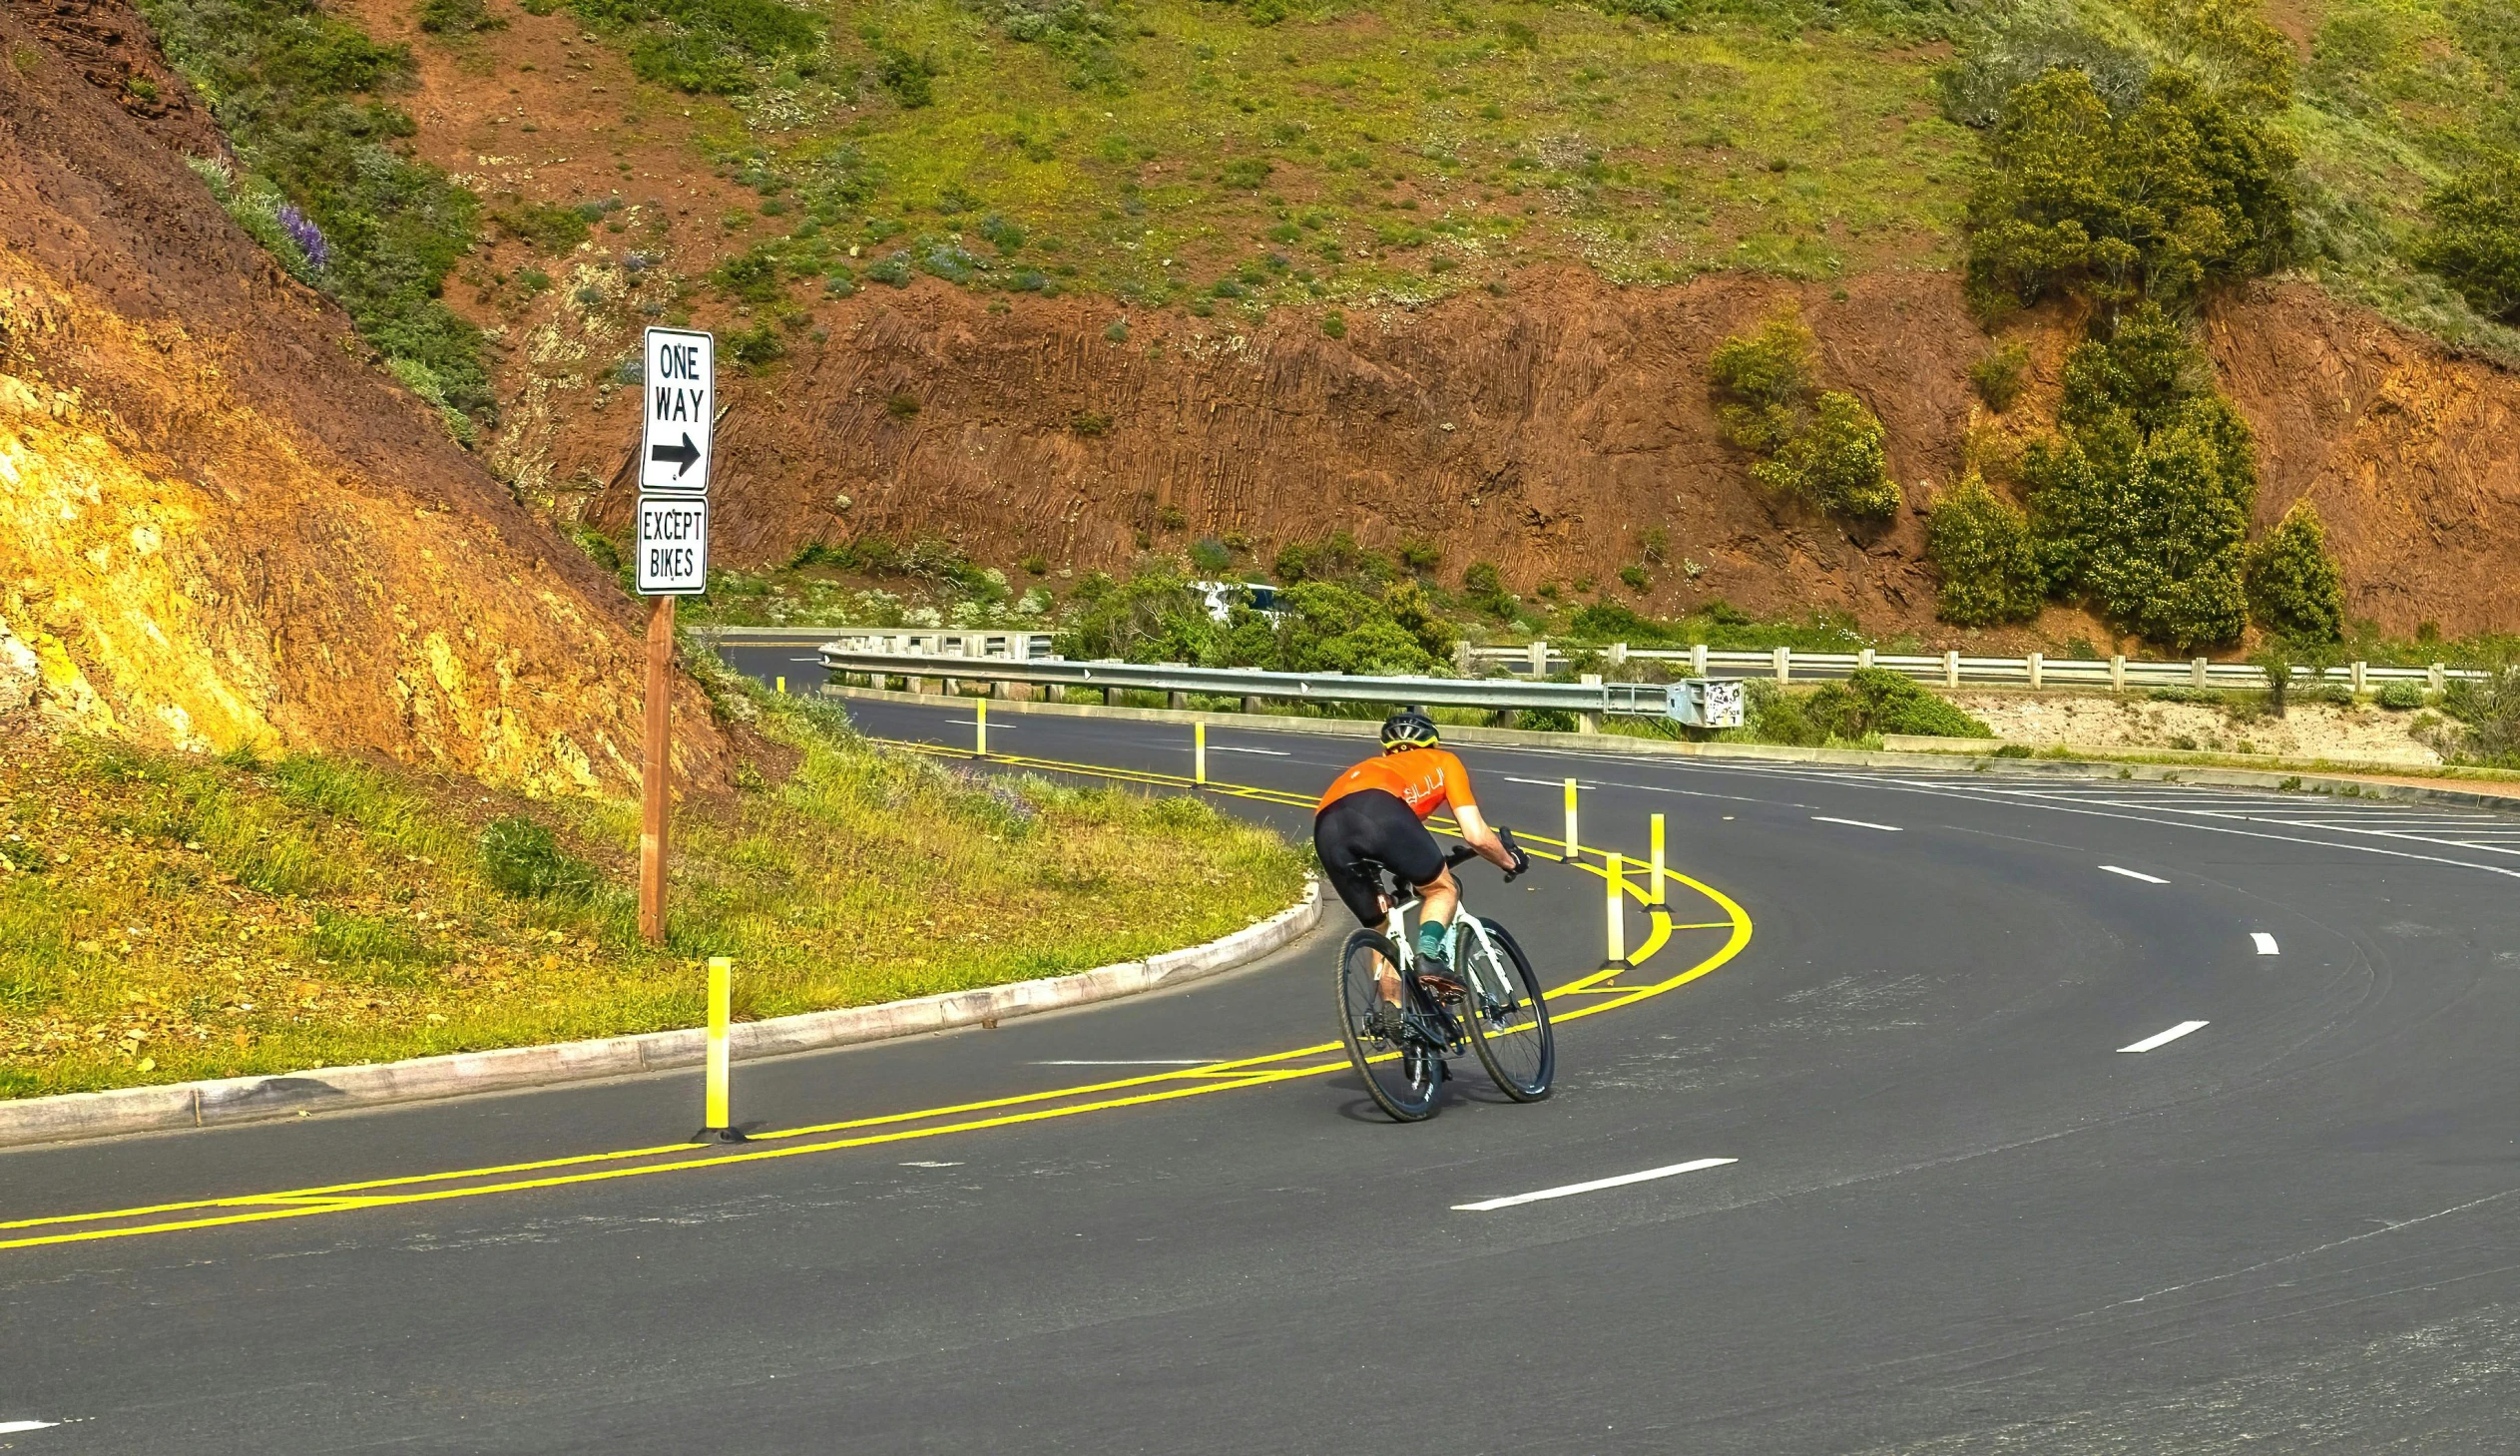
(1408, 149)
(168, 918)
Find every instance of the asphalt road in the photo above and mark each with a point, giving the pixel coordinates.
(1960, 1218)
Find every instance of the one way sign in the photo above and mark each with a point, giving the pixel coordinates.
(681, 389)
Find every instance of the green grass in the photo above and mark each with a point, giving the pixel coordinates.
(164, 918)
(1401, 153)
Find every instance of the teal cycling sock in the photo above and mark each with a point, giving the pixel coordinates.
(1431, 938)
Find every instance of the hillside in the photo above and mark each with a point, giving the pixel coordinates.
(1073, 281)
(220, 529)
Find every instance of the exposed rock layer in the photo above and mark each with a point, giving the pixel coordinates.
(219, 527)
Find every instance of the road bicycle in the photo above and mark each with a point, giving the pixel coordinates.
(1490, 1004)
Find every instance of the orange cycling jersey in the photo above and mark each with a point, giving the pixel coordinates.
(1422, 779)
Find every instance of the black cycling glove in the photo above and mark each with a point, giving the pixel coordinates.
(1521, 863)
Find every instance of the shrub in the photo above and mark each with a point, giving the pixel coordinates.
(2490, 709)
(755, 349)
(1837, 464)
(1483, 590)
(2182, 190)
(1613, 621)
(521, 858)
(1210, 556)
(2472, 234)
(1979, 544)
(1827, 451)
(1154, 617)
(1877, 701)
(1997, 375)
(912, 79)
(2293, 587)
(1334, 324)
(1337, 559)
(2399, 696)
(753, 275)
(1635, 578)
(1421, 554)
(456, 17)
(711, 47)
(1764, 379)
(901, 404)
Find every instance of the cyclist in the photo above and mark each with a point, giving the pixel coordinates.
(1375, 814)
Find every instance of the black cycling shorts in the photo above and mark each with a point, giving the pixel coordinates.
(1366, 832)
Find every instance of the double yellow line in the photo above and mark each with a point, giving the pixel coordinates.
(1609, 984)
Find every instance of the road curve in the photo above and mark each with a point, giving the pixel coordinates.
(1891, 1175)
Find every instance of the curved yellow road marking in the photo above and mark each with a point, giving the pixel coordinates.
(1213, 1077)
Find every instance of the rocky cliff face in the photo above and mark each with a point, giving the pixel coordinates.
(220, 528)
(1544, 431)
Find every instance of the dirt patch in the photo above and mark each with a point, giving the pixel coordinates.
(2360, 733)
(109, 44)
(219, 527)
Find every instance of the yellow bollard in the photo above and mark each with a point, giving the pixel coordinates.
(1199, 753)
(782, 687)
(980, 714)
(713, 1099)
(1653, 892)
(1616, 959)
(1571, 850)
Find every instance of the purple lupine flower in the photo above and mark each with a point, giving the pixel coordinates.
(309, 238)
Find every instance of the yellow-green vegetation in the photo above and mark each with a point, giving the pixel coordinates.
(164, 918)
(1221, 157)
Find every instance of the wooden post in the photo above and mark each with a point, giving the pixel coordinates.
(656, 798)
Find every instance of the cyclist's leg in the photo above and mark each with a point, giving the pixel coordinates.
(1356, 838)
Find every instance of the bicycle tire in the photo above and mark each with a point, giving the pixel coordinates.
(1405, 1081)
(1515, 1044)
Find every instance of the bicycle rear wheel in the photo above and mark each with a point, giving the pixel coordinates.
(1509, 1022)
(1403, 1075)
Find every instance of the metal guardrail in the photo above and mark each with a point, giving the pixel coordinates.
(1952, 669)
(1585, 700)
(929, 642)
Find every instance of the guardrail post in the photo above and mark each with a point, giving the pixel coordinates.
(1178, 702)
(1251, 705)
(1571, 849)
(2117, 672)
(1863, 658)
(1618, 654)
(2361, 676)
(1697, 660)
(2195, 671)
(1461, 660)
(1199, 753)
(1538, 653)
(1589, 722)
(2034, 662)
(1785, 666)
(1654, 888)
(1951, 669)
(2437, 675)
(716, 1127)
(1616, 956)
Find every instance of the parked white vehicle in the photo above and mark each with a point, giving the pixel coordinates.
(1220, 597)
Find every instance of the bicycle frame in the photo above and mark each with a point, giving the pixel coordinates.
(1464, 925)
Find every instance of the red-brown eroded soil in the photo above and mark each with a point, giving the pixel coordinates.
(220, 527)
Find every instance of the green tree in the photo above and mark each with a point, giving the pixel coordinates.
(1764, 380)
(2473, 237)
(2293, 587)
(1979, 544)
(2181, 191)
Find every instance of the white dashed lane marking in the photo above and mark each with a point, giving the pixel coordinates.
(2150, 879)
(2161, 1039)
(2265, 943)
(8, 1428)
(1569, 1191)
(1859, 823)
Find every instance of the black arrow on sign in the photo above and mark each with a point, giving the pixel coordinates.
(686, 453)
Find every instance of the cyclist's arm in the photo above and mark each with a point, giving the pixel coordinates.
(1476, 834)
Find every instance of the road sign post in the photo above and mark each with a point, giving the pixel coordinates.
(672, 545)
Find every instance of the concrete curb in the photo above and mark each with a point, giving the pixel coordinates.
(80, 1115)
(2309, 781)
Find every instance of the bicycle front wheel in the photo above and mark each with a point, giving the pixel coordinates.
(1509, 1022)
(1400, 1071)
